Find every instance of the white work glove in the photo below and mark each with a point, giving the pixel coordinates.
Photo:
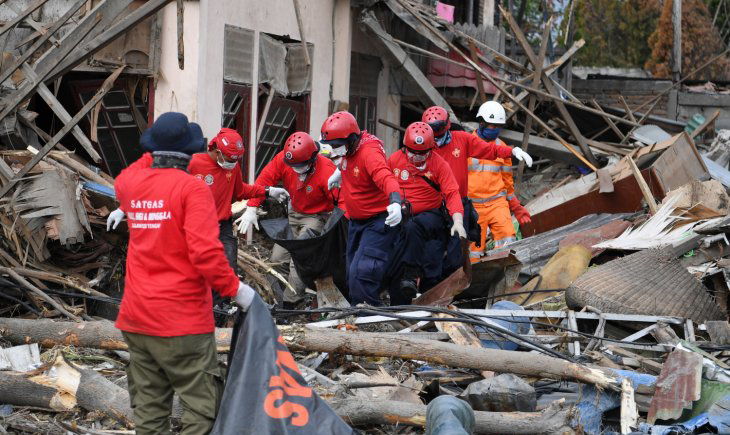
(458, 227)
(278, 193)
(522, 156)
(335, 180)
(244, 297)
(115, 217)
(394, 215)
(247, 219)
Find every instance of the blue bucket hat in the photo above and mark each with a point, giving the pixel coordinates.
(172, 132)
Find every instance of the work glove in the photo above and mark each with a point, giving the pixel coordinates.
(522, 156)
(458, 227)
(335, 180)
(115, 217)
(394, 214)
(520, 212)
(247, 219)
(278, 193)
(244, 296)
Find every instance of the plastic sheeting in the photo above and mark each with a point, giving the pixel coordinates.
(265, 392)
(315, 255)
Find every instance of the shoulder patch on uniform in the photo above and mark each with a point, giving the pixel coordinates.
(209, 180)
(404, 175)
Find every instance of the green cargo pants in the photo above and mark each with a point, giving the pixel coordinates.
(185, 365)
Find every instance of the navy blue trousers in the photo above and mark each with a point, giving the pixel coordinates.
(370, 244)
(421, 247)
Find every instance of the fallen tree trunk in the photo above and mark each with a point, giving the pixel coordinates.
(300, 338)
(62, 386)
(555, 420)
(100, 334)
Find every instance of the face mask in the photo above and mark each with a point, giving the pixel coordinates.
(488, 133)
(418, 160)
(301, 169)
(224, 164)
(444, 140)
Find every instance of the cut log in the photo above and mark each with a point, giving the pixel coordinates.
(99, 334)
(103, 335)
(300, 338)
(62, 386)
(553, 421)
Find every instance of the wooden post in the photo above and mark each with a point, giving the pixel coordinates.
(298, 12)
(648, 197)
(480, 84)
(180, 33)
(533, 100)
(677, 41)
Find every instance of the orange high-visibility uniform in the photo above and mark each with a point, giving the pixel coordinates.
(490, 188)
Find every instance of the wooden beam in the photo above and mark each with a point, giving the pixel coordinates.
(399, 57)
(507, 94)
(533, 100)
(112, 32)
(480, 84)
(391, 125)
(21, 16)
(303, 38)
(105, 87)
(608, 120)
(645, 191)
(676, 40)
(38, 43)
(550, 86)
(20, 95)
(180, 34)
(61, 112)
(33, 23)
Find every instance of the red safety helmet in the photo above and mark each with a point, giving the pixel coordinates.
(418, 137)
(228, 142)
(438, 119)
(340, 129)
(300, 149)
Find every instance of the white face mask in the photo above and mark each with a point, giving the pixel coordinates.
(301, 170)
(228, 166)
(418, 160)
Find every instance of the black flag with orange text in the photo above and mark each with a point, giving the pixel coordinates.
(265, 392)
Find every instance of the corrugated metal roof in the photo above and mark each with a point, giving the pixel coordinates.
(678, 385)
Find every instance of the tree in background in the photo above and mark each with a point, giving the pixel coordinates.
(616, 32)
(700, 41)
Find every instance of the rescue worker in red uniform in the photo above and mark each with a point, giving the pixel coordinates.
(456, 147)
(491, 186)
(304, 174)
(173, 260)
(220, 169)
(427, 182)
(372, 199)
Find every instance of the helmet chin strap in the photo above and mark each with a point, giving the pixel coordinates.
(170, 160)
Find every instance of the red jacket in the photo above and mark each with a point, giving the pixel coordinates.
(174, 256)
(418, 192)
(367, 180)
(227, 186)
(464, 145)
(310, 196)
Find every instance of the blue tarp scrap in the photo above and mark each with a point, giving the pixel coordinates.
(594, 402)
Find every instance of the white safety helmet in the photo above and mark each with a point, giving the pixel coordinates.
(492, 113)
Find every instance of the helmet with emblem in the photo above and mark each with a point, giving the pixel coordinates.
(438, 119)
(418, 137)
(229, 143)
(339, 129)
(300, 149)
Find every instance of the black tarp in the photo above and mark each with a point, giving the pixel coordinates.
(315, 255)
(265, 392)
